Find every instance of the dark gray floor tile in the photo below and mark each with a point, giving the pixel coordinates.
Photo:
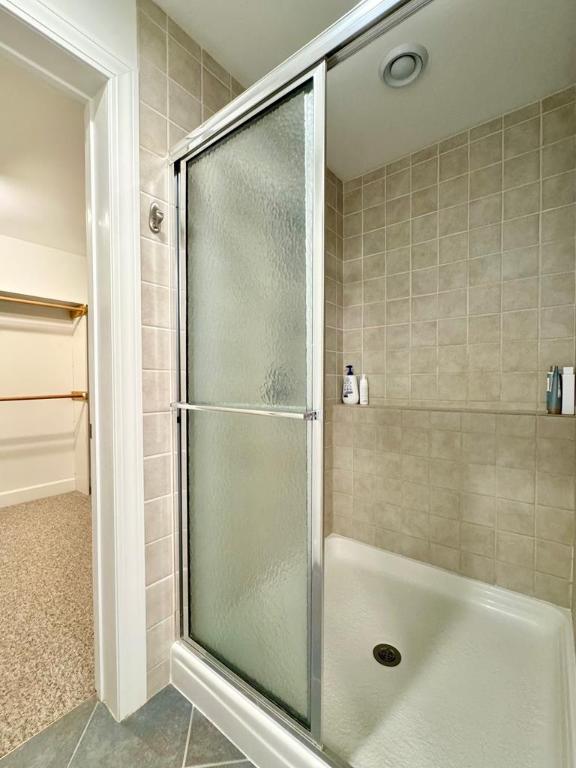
(153, 737)
(207, 744)
(53, 747)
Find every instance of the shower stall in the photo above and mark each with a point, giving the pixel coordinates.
(386, 585)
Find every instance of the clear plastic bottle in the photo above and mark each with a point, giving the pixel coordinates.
(363, 389)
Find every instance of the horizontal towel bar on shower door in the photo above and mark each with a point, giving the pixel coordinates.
(302, 415)
(74, 395)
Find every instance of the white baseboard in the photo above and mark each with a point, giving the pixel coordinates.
(22, 495)
(264, 741)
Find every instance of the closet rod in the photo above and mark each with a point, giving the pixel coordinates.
(76, 310)
(74, 395)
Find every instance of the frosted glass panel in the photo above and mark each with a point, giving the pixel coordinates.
(248, 258)
(248, 549)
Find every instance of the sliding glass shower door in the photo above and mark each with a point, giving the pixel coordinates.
(251, 427)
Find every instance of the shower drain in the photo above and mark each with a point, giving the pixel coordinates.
(387, 655)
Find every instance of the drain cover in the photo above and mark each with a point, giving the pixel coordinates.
(387, 655)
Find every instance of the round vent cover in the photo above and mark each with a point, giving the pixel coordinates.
(403, 65)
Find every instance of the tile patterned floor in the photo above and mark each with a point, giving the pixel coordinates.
(166, 733)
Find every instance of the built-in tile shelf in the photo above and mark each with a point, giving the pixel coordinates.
(451, 407)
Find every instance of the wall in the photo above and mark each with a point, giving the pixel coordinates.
(488, 495)
(459, 263)
(42, 196)
(43, 445)
(109, 22)
(180, 86)
(458, 293)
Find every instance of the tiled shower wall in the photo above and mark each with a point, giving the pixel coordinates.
(180, 86)
(459, 263)
(488, 495)
(458, 293)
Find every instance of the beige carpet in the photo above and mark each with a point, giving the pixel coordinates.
(46, 614)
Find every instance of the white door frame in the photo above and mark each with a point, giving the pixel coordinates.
(109, 86)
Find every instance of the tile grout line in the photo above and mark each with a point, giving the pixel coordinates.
(188, 737)
(72, 756)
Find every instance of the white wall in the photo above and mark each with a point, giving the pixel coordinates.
(112, 23)
(43, 444)
(42, 197)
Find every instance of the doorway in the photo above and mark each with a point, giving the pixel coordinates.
(104, 79)
(47, 643)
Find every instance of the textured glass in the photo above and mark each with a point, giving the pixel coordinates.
(248, 258)
(248, 549)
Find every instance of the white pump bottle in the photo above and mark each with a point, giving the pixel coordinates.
(350, 393)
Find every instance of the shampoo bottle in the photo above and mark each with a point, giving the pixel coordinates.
(554, 395)
(350, 394)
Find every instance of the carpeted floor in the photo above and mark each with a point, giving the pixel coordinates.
(46, 614)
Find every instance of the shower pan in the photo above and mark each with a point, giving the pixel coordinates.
(267, 564)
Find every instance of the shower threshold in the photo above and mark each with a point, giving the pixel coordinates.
(486, 679)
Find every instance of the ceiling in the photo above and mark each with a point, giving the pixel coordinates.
(251, 37)
(486, 57)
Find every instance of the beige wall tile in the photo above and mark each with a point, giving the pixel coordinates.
(159, 560)
(153, 130)
(516, 577)
(559, 157)
(554, 559)
(159, 601)
(152, 43)
(477, 567)
(555, 524)
(522, 170)
(559, 123)
(522, 138)
(477, 539)
(158, 519)
(553, 589)
(486, 151)
(159, 639)
(424, 174)
(516, 549)
(184, 109)
(183, 68)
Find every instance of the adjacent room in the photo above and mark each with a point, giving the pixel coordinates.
(47, 638)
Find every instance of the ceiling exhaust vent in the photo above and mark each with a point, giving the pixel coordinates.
(403, 65)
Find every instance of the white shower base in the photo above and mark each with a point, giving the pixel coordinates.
(486, 678)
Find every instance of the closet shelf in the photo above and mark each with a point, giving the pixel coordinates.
(75, 310)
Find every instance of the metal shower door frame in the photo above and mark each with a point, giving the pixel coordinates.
(314, 418)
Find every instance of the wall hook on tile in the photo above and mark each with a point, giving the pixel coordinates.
(155, 218)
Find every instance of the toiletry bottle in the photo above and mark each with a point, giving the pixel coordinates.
(568, 390)
(363, 390)
(554, 398)
(350, 394)
(549, 389)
